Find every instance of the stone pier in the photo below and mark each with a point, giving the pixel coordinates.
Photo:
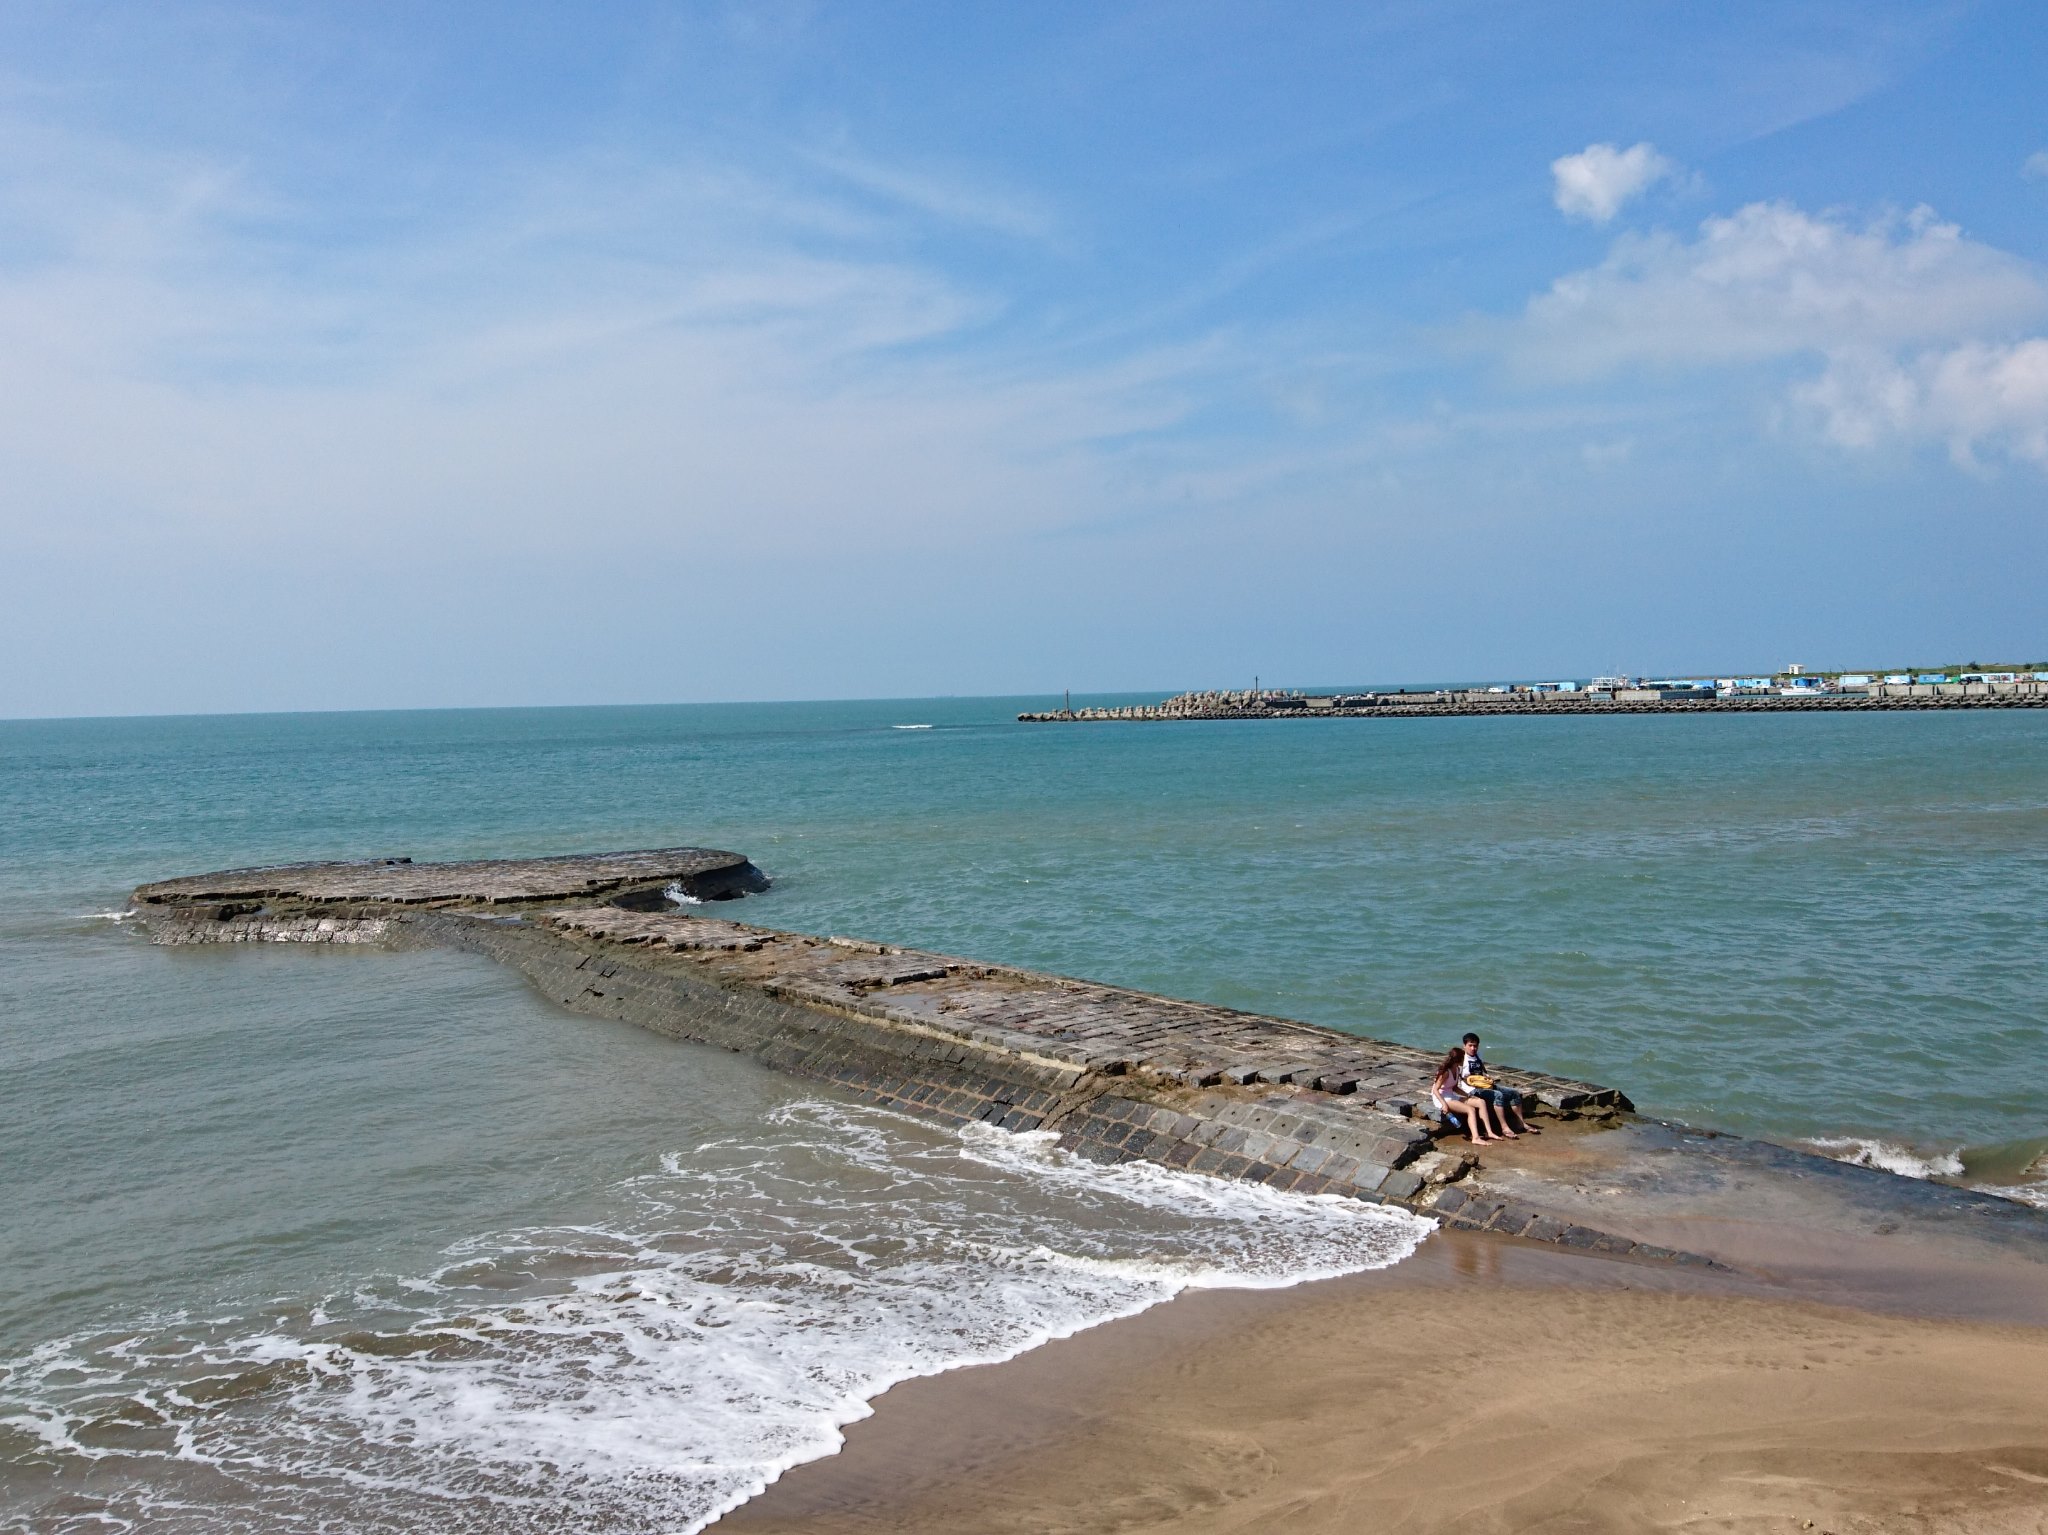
(1117, 1075)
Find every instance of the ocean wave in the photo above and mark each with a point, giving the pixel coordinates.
(2035, 1194)
(1964, 1166)
(725, 1321)
(676, 895)
(1891, 1158)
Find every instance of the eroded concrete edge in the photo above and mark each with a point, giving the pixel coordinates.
(1292, 1136)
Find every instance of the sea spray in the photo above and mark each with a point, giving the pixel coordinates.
(731, 1314)
(2015, 1170)
(1903, 1160)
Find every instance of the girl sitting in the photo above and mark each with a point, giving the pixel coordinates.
(1454, 1100)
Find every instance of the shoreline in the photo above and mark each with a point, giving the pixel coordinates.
(1116, 1075)
(1609, 1395)
(1643, 1287)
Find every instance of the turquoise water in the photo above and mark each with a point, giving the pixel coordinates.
(245, 1164)
(1796, 926)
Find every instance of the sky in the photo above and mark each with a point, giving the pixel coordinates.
(371, 355)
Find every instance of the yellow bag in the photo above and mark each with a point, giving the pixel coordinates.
(1480, 1081)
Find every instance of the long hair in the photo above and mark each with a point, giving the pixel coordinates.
(1447, 1068)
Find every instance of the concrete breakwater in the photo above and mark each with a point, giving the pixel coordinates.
(1117, 1075)
(1464, 702)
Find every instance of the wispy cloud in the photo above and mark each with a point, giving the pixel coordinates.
(695, 359)
(964, 199)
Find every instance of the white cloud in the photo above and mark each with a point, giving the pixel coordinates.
(1975, 398)
(2036, 166)
(1920, 332)
(1595, 182)
(1771, 280)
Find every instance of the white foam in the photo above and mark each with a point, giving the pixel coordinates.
(676, 895)
(2035, 1194)
(1890, 1158)
(727, 1318)
(910, 727)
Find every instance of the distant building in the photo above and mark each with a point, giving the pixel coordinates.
(1854, 680)
(1893, 679)
(1795, 670)
(1927, 678)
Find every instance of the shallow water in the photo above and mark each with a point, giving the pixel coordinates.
(335, 1239)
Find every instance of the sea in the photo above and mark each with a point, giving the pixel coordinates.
(314, 1239)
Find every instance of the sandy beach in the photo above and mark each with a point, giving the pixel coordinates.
(1482, 1385)
(1615, 1322)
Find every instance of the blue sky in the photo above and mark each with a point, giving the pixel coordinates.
(515, 353)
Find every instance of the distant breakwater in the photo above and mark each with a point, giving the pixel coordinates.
(1445, 703)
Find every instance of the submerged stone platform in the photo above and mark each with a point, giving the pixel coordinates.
(1118, 1075)
(704, 873)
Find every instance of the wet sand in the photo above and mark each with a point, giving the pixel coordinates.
(1484, 1385)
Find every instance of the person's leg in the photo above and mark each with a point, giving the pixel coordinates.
(1512, 1102)
(1459, 1111)
(1482, 1120)
(1500, 1117)
(1507, 1109)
